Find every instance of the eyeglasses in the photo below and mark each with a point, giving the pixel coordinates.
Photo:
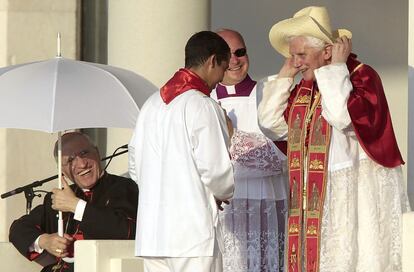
(71, 159)
(241, 52)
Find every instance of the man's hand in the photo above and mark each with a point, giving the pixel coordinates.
(54, 244)
(341, 50)
(288, 69)
(220, 203)
(64, 200)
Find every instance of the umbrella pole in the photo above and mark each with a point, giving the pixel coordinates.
(59, 54)
(60, 220)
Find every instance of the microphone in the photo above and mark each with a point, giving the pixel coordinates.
(16, 191)
(36, 183)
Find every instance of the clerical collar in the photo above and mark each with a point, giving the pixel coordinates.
(243, 88)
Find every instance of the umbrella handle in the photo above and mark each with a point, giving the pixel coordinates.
(60, 225)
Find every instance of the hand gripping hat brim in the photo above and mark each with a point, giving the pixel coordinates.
(310, 21)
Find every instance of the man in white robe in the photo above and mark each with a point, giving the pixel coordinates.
(346, 189)
(179, 158)
(253, 225)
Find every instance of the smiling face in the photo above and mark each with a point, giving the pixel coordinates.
(80, 160)
(238, 66)
(308, 58)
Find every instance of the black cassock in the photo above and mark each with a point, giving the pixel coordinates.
(110, 214)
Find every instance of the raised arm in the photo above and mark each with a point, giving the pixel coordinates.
(272, 101)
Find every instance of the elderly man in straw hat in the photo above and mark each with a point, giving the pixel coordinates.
(344, 162)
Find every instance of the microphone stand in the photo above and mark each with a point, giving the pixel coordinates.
(29, 193)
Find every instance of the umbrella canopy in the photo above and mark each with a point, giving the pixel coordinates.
(61, 94)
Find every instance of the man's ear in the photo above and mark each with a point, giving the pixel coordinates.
(327, 52)
(212, 61)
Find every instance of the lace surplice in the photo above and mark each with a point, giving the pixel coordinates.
(361, 226)
(252, 226)
(254, 156)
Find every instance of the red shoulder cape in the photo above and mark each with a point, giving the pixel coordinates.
(370, 115)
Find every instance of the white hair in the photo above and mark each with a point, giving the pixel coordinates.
(310, 41)
(70, 136)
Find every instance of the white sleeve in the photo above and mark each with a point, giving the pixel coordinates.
(35, 246)
(210, 140)
(135, 144)
(131, 158)
(335, 86)
(272, 99)
(79, 210)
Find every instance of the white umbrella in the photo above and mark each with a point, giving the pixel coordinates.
(61, 94)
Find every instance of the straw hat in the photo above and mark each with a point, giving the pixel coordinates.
(310, 21)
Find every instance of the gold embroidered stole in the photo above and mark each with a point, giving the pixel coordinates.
(307, 194)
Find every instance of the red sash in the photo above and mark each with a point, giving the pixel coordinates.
(309, 137)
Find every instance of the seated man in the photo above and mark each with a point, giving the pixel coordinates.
(97, 206)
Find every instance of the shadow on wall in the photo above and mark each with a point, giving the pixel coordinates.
(410, 166)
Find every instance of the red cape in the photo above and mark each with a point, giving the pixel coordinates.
(370, 115)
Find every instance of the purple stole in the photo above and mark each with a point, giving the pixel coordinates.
(243, 88)
(309, 138)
